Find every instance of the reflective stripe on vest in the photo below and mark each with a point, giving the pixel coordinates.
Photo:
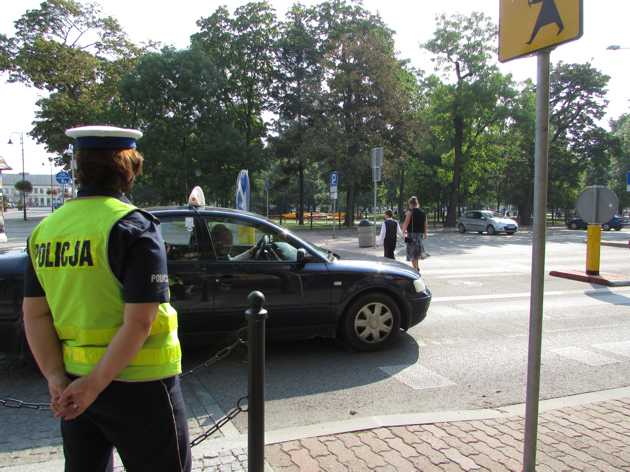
(161, 325)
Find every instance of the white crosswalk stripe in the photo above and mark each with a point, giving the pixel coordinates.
(584, 356)
(416, 376)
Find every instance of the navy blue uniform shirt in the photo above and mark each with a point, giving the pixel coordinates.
(136, 251)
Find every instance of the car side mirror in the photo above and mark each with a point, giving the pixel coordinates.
(303, 255)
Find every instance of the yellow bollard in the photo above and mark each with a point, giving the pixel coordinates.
(593, 245)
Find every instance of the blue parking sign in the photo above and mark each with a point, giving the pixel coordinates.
(333, 179)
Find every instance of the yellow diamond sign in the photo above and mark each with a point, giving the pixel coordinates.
(527, 26)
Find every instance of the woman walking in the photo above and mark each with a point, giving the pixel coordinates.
(417, 227)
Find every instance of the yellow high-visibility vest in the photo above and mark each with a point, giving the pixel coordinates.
(69, 254)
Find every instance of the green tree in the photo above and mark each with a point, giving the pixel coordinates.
(243, 50)
(298, 89)
(363, 98)
(177, 98)
(69, 50)
(478, 94)
(620, 165)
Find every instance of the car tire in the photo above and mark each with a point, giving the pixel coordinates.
(510, 233)
(606, 227)
(371, 322)
(573, 225)
(461, 228)
(490, 230)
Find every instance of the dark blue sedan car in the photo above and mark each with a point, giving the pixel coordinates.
(617, 222)
(217, 257)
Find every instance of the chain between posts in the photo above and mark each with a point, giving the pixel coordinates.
(222, 354)
(11, 403)
(219, 424)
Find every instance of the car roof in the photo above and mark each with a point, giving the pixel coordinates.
(208, 210)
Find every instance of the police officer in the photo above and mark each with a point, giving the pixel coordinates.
(98, 321)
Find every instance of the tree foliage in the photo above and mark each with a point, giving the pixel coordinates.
(71, 51)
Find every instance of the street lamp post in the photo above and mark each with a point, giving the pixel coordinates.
(52, 189)
(21, 135)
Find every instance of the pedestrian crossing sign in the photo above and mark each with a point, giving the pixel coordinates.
(528, 26)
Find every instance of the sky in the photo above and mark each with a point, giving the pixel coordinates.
(172, 23)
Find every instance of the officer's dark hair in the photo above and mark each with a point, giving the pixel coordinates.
(108, 167)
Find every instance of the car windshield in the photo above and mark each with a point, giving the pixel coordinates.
(492, 214)
(321, 251)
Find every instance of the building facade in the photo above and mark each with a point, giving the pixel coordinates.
(40, 196)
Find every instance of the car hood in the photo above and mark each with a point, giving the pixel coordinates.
(359, 259)
(505, 221)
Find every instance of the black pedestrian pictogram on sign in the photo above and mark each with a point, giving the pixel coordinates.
(548, 15)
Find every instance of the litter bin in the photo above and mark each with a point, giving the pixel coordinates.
(366, 234)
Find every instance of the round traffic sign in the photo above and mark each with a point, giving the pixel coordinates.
(62, 177)
(597, 205)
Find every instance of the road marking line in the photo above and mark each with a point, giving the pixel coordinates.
(416, 376)
(447, 311)
(489, 274)
(499, 296)
(506, 330)
(622, 348)
(585, 357)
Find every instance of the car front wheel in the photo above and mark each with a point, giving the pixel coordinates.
(573, 225)
(371, 323)
(461, 228)
(606, 227)
(490, 229)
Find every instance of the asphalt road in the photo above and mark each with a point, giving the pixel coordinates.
(471, 351)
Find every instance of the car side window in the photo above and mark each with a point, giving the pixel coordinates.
(238, 240)
(181, 238)
(470, 214)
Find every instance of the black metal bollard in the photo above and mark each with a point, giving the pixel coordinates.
(256, 317)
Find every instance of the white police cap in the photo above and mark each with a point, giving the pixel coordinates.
(104, 137)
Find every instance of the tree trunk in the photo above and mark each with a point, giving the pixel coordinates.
(349, 221)
(451, 216)
(401, 195)
(525, 212)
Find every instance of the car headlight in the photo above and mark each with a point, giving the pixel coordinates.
(419, 285)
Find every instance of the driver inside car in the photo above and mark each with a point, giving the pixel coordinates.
(223, 242)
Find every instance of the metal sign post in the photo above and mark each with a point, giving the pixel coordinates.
(525, 28)
(267, 190)
(596, 205)
(334, 180)
(538, 263)
(377, 164)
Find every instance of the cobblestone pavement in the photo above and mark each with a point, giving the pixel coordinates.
(594, 437)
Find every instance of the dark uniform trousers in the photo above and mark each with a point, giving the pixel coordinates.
(130, 416)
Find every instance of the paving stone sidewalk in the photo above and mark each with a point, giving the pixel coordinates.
(594, 437)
